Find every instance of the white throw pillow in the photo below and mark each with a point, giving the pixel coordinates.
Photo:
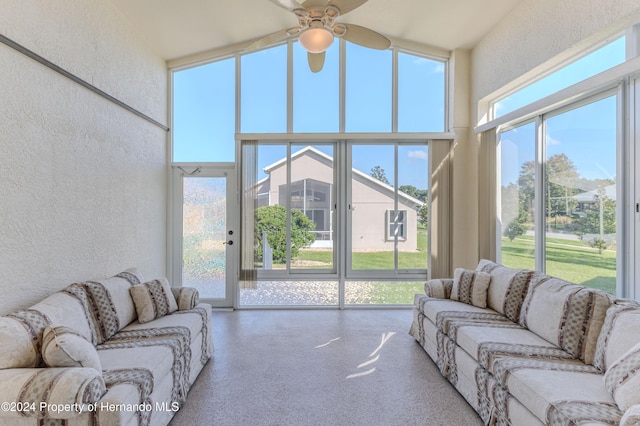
(470, 287)
(65, 347)
(622, 379)
(153, 299)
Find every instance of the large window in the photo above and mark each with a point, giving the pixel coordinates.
(326, 221)
(575, 182)
(601, 59)
(273, 91)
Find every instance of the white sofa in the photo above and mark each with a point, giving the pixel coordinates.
(118, 351)
(524, 348)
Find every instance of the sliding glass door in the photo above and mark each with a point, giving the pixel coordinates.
(335, 222)
(559, 193)
(387, 218)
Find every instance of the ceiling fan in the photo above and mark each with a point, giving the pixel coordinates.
(317, 28)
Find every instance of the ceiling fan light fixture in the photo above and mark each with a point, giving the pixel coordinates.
(316, 40)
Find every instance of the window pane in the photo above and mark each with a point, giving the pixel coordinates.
(315, 95)
(580, 192)
(290, 293)
(368, 89)
(517, 184)
(270, 227)
(420, 94)
(412, 202)
(381, 292)
(602, 59)
(204, 235)
(204, 101)
(264, 91)
(312, 200)
(372, 196)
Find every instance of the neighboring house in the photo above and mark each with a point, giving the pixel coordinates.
(373, 223)
(593, 196)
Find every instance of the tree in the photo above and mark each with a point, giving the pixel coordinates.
(273, 221)
(423, 215)
(378, 173)
(517, 226)
(592, 223)
(562, 179)
(562, 184)
(420, 194)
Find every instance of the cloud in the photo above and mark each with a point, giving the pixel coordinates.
(551, 141)
(418, 154)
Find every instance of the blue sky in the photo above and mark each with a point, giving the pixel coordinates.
(204, 108)
(587, 135)
(204, 114)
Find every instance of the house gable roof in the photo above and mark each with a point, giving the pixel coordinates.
(321, 156)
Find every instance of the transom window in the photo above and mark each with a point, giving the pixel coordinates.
(277, 93)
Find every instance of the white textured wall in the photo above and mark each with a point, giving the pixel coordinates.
(83, 181)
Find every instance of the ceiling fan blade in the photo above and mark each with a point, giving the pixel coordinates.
(366, 37)
(290, 5)
(316, 61)
(268, 40)
(345, 6)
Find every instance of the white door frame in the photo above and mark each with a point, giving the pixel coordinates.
(174, 265)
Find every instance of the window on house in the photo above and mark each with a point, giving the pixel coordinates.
(396, 225)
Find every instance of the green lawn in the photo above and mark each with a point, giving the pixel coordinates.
(566, 259)
(372, 260)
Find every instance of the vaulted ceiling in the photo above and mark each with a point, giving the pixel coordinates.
(176, 29)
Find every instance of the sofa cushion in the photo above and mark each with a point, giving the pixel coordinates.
(488, 342)
(21, 339)
(153, 299)
(62, 308)
(186, 297)
(558, 391)
(107, 303)
(508, 288)
(631, 417)
(50, 393)
(439, 288)
(432, 308)
(622, 378)
(567, 315)
(470, 287)
(64, 347)
(619, 332)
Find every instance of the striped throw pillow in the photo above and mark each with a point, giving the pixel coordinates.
(470, 287)
(153, 299)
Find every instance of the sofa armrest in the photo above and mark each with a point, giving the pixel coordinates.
(631, 417)
(186, 297)
(55, 393)
(439, 288)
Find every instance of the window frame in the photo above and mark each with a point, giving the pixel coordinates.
(619, 89)
(391, 222)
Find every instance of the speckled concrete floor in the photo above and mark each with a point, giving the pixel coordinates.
(320, 367)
